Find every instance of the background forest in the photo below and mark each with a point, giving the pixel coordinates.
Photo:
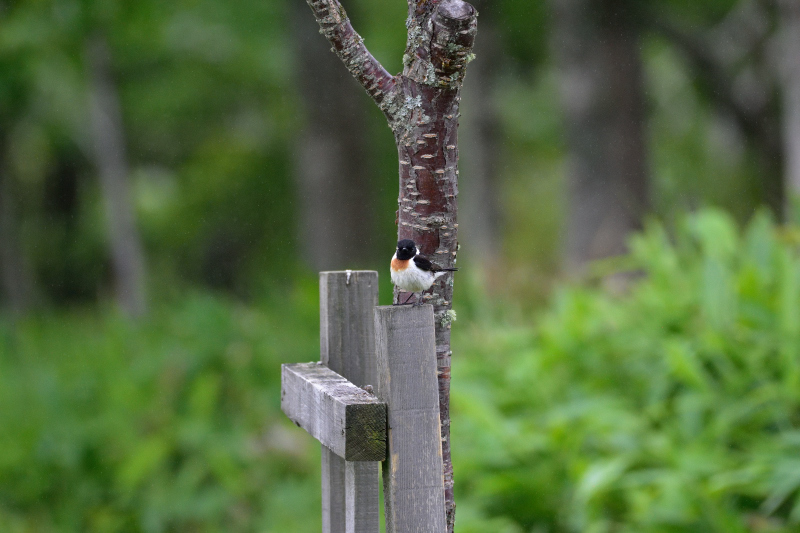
(173, 175)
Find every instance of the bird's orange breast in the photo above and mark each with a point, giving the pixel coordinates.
(398, 265)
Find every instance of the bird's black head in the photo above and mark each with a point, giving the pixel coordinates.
(406, 249)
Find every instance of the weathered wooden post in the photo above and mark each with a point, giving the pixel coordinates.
(347, 346)
(327, 400)
(413, 480)
(392, 348)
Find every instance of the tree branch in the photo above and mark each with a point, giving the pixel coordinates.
(349, 46)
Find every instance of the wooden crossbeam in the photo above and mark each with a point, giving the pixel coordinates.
(345, 418)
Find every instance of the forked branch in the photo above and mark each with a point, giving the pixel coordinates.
(349, 46)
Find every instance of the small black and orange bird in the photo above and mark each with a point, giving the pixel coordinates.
(412, 272)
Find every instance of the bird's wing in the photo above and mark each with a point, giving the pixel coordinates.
(423, 263)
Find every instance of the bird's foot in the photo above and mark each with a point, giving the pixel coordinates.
(411, 295)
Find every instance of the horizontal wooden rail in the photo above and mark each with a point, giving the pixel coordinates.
(345, 418)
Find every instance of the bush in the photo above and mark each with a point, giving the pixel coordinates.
(173, 424)
(672, 408)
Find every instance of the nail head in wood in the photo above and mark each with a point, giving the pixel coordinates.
(347, 328)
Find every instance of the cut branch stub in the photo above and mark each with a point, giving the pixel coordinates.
(440, 46)
(454, 35)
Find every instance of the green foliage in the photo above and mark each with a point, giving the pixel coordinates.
(211, 114)
(673, 408)
(695, 14)
(525, 28)
(208, 120)
(170, 425)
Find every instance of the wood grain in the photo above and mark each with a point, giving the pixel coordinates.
(343, 417)
(347, 346)
(346, 324)
(413, 478)
(362, 494)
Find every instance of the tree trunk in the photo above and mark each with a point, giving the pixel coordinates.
(109, 142)
(333, 170)
(790, 89)
(422, 107)
(735, 49)
(16, 286)
(598, 53)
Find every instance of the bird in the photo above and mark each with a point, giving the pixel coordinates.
(413, 272)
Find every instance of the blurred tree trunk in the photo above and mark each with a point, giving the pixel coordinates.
(481, 149)
(731, 69)
(597, 47)
(333, 170)
(790, 81)
(16, 283)
(111, 161)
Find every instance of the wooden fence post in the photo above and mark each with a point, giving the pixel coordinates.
(413, 480)
(347, 346)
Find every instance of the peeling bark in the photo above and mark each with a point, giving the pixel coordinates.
(422, 107)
